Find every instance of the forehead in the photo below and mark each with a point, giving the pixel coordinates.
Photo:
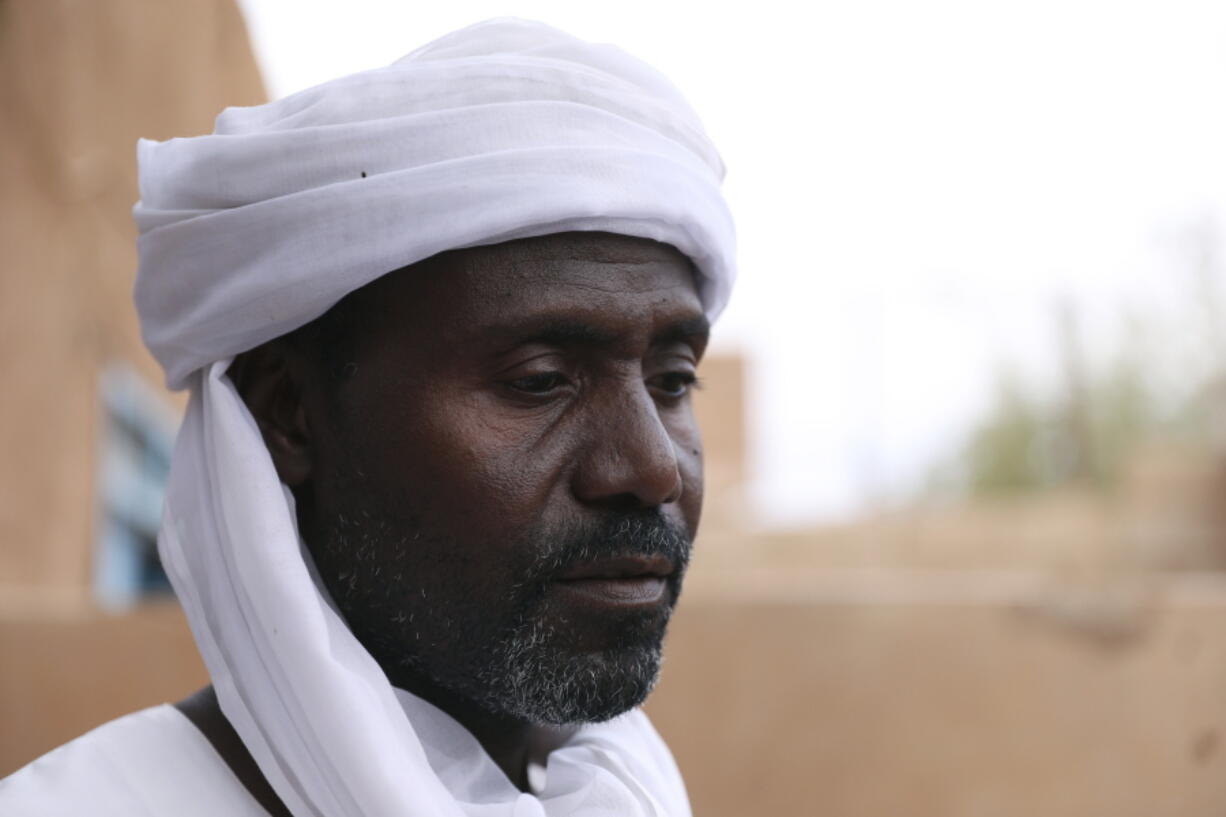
(593, 277)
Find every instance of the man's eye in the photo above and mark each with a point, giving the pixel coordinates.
(542, 383)
(675, 384)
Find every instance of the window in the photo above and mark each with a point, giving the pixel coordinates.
(137, 438)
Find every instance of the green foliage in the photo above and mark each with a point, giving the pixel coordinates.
(1083, 436)
(1166, 376)
(999, 456)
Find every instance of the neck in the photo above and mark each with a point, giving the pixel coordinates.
(204, 712)
(512, 743)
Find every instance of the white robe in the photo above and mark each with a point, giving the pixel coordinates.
(152, 763)
(156, 763)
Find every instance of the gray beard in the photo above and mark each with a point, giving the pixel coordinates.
(528, 677)
(508, 657)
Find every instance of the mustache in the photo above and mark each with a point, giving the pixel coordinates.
(645, 533)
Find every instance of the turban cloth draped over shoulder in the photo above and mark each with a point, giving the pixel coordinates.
(504, 130)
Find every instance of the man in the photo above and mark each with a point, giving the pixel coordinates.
(427, 526)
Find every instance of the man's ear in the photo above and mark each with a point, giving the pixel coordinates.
(267, 381)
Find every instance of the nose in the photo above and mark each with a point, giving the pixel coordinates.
(629, 460)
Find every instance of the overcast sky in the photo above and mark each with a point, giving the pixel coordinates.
(915, 185)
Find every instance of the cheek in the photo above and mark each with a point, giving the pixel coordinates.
(687, 441)
(483, 475)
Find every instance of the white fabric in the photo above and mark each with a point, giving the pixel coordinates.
(152, 763)
(506, 129)
(503, 130)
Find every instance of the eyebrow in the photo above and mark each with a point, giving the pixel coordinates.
(571, 333)
(684, 331)
(576, 333)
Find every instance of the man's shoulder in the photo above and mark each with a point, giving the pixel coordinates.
(152, 762)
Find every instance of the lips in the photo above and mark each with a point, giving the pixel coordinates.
(620, 568)
(626, 581)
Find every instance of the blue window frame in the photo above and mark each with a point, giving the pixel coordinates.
(137, 437)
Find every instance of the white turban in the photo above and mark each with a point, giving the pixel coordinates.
(503, 130)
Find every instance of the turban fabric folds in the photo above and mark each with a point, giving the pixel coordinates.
(504, 130)
(500, 131)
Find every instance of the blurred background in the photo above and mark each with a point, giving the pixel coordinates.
(965, 533)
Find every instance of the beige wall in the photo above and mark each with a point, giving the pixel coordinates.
(1169, 513)
(80, 80)
(925, 704)
(62, 675)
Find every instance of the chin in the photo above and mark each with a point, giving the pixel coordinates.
(558, 671)
(588, 687)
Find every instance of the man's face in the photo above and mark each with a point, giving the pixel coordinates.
(506, 480)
